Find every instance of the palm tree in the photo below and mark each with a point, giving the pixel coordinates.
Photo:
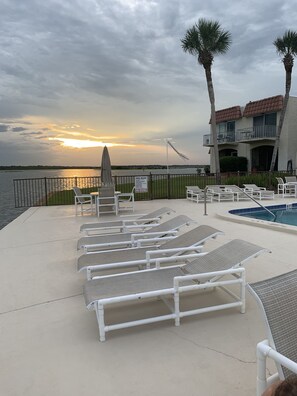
(286, 46)
(205, 40)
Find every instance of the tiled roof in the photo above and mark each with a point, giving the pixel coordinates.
(267, 105)
(229, 114)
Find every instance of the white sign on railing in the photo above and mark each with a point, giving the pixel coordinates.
(141, 184)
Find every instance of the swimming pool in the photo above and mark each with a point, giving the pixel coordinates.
(284, 214)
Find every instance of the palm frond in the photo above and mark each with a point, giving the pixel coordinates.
(287, 44)
(206, 36)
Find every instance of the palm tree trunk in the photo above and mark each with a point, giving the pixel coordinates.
(213, 123)
(281, 120)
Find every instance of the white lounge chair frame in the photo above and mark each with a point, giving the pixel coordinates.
(239, 194)
(126, 224)
(181, 281)
(189, 242)
(195, 194)
(161, 232)
(277, 299)
(258, 192)
(219, 193)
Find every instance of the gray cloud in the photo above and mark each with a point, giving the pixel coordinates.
(18, 129)
(122, 63)
(4, 128)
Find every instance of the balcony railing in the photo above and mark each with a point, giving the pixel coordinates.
(256, 132)
(243, 135)
(222, 138)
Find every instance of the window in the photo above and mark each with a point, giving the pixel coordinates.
(231, 126)
(228, 126)
(265, 119)
(270, 119)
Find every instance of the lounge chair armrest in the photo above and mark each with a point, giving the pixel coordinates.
(141, 226)
(138, 221)
(151, 253)
(138, 243)
(83, 196)
(207, 275)
(177, 259)
(143, 235)
(264, 350)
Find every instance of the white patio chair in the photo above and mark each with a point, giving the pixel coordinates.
(203, 273)
(84, 201)
(285, 189)
(258, 192)
(291, 179)
(106, 201)
(123, 225)
(126, 201)
(168, 229)
(277, 299)
(187, 243)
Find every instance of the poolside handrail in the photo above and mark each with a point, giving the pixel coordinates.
(257, 202)
(241, 191)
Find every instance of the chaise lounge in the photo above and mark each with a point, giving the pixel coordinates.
(258, 192)
(205, 272)
(277, 299)
(186, 243)
(195, 194)
(126, 224)
(168, 229)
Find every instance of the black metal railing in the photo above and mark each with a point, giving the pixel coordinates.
(59, 191)
(243, 134)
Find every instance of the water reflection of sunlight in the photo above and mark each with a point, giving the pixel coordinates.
(79, 172)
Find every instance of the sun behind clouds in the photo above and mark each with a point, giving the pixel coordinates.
(80, 144)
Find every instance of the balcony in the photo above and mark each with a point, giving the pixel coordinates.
(244, 135)
(262, 132)
(223, 138)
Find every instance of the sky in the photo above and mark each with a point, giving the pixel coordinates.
(76, 75)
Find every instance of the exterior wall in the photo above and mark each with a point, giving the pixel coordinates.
(244, 122)
(288, 139)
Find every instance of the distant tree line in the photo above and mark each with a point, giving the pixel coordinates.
(29, 167)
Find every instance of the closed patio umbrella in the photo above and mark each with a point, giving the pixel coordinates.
(106, 175)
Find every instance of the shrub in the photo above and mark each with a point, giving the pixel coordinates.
(233, 164)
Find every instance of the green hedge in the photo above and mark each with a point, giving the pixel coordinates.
(233, 164)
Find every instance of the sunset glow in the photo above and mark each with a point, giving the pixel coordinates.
(80, 144)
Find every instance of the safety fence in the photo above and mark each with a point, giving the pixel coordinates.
(59, 191)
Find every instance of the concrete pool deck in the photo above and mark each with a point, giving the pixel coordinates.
(49, 340)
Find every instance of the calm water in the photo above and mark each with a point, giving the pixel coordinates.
(283, 215)
(7, 210)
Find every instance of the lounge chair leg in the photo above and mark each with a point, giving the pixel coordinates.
(176, 308)
(242, 292)
(100, 319)
(89, 273)
(261, 369)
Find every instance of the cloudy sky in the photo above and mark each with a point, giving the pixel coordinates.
(78, 74)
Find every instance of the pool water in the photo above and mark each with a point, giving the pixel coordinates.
(284, 214)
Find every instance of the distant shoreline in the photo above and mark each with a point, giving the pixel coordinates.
(30, 167)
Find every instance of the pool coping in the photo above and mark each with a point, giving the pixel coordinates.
(258, 222)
